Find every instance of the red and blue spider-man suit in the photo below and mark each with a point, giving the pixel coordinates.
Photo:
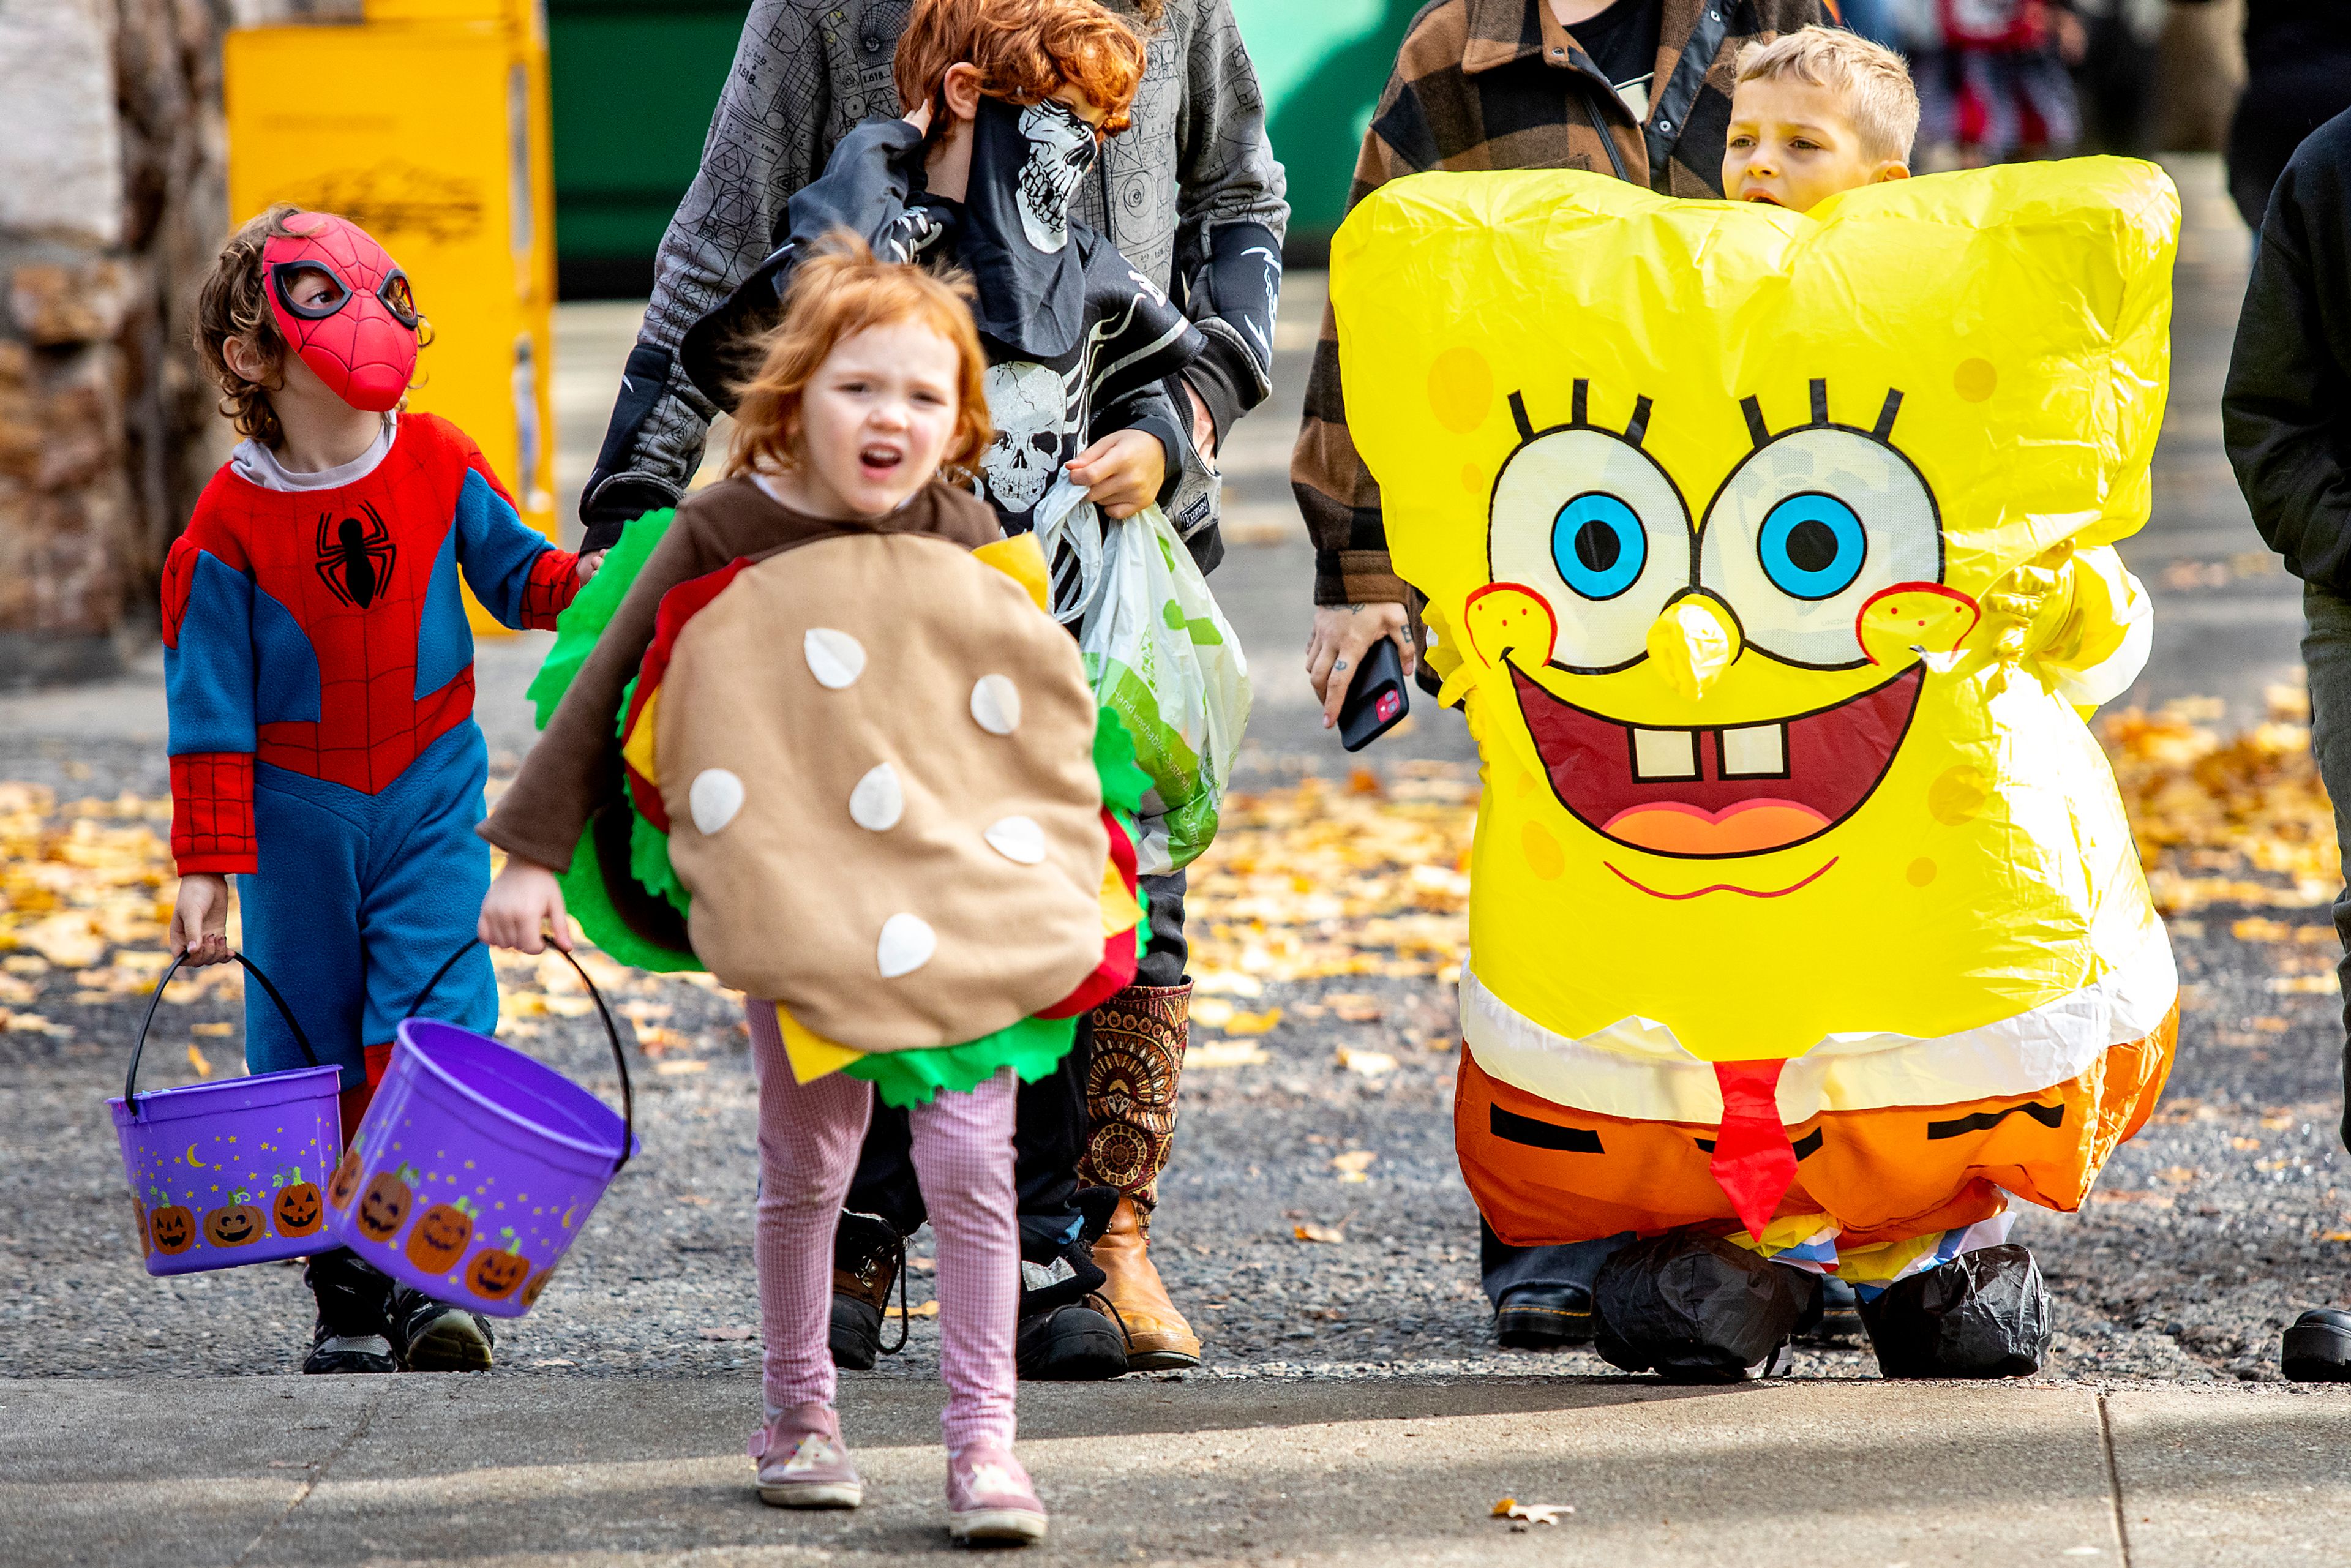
(321, 676)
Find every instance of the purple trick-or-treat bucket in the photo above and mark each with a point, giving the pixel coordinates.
(229, 1173)
(475, 1168)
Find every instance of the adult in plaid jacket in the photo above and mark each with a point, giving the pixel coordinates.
(1508, 84)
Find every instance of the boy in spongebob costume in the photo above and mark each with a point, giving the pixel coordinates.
(1770, 556)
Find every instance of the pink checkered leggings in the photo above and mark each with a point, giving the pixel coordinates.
(809, 1137)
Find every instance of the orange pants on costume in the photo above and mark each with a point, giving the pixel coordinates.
(1543, 1174)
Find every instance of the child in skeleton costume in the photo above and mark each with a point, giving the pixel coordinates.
(1192, 196)
(1082, 349)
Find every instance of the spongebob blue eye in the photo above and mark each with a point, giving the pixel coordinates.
(1599, 546)
(1811, 546)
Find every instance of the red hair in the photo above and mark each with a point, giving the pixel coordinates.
(837, 293)
(1025, 51)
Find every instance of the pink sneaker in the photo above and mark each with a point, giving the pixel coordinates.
(803, 1463)
(990, 1498)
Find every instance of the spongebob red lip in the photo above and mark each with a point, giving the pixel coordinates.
(1716, 792)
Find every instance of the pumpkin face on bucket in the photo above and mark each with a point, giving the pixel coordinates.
(441, 1235)
(531, 1290)
(346, 1179)
(494, 1276)
(298, 1210)
(172, 1229)
(384, 1207)
(235, 1224)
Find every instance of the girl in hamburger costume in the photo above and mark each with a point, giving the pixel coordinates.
(836, 752)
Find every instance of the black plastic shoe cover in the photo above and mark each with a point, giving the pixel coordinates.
(1696, 1308)
(1982, 1314)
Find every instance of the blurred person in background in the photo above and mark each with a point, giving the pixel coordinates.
(1991, 77)
(2297, 77)
(2286, 417)
(2115, 79)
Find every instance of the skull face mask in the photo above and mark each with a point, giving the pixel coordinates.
(360, 338)
(1060, 150)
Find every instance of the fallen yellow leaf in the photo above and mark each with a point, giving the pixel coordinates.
(1354, 1162)
(197, 1060)
(1253, 1023)
(678, 1068)
(212, 1029)
(1224, 1053)
(1366, 1064)
(1308, 1231)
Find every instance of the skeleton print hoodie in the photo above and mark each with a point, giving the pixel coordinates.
(1078, 342)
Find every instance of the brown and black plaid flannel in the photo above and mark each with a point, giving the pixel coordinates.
(1499, 84)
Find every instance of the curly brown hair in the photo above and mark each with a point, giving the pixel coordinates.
(1024, 50)
(837, 293)
(234, 302)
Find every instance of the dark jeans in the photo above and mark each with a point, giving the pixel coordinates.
(1507, 1268)
(1049, 1135)
(2327, 653)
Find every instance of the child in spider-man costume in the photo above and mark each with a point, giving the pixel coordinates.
(321, 676)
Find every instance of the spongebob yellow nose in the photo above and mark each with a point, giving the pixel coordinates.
(1694, 642)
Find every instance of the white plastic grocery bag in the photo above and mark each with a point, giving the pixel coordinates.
(1160, 655)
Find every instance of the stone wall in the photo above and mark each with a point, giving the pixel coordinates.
(112, 203)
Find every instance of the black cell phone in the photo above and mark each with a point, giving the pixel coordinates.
(1377, 702)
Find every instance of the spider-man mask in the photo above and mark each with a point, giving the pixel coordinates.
(360, 335)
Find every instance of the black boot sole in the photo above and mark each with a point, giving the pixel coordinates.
(1542, 1328)
(856, 1338)
(2316, 1353)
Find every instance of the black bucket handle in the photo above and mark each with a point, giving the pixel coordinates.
(139, 1046)
(612, 1033)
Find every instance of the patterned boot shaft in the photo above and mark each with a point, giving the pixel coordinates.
(1139, 1036)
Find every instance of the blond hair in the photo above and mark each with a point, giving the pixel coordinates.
(1873, 79)
(837, 293)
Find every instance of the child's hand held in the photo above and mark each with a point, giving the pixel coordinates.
(523, 910)
(1122, 472)
(200, 919)
(589, 565)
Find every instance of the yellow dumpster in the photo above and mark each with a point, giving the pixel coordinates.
(426, 124)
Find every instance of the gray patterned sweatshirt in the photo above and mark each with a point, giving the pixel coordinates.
(1191, 194)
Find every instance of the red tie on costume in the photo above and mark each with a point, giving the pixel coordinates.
(1753, 1162)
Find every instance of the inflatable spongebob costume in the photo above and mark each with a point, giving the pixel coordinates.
(1768, 555)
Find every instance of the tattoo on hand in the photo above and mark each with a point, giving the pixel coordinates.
(1340, 665)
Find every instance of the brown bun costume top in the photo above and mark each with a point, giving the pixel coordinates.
(876, 756)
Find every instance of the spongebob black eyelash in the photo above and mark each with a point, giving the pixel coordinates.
(1759, 432)
(1637, 429)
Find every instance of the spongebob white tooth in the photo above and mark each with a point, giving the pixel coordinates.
(1755, 751)
(1665, 754)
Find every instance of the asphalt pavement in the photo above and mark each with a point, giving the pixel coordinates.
(1354, 1406)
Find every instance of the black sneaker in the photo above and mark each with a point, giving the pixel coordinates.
(2318, 1347)
(437, 1337)
(1066, 1333)
(1073, 1344)
(869, 1257)
(1543, 1317)
(354, 1329)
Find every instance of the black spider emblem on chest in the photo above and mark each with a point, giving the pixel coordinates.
(355, 556)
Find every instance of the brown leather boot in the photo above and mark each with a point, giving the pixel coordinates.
(1138, 1037)
(1157, 1337)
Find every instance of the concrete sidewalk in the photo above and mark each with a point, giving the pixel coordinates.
(516, 1470)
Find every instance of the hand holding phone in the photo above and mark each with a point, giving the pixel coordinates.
(1376, 700)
